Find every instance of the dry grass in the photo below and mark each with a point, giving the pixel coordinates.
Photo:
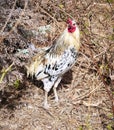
(86, 92)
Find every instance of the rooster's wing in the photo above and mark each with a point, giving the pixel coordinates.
(56, 65)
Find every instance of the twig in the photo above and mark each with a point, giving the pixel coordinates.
(86, 57)
(87, 93)
(8, 17)
(92, 104)
(5, 72)
(47, 14)
(17, 22)
(104, 51)
(64, 12)
(110, 97)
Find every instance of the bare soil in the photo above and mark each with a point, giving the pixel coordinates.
(86, 93)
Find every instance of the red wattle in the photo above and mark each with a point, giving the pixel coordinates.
(72, 29)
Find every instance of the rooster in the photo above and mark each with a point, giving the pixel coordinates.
(51, 64)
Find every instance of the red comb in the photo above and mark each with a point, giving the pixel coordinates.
(69, 21)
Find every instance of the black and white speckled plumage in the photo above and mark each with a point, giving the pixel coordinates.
(62, 64)
(50, 65)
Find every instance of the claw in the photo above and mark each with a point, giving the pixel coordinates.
(46, 106)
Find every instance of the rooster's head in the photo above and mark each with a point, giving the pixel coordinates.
(71, 25)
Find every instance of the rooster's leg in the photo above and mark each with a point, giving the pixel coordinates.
(55, 88)
(46, 100)
(47, 86)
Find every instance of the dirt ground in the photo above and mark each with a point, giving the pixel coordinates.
(86, 93)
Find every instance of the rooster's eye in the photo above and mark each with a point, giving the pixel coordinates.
(74, 24)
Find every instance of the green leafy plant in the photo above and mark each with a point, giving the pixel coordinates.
(17, 83)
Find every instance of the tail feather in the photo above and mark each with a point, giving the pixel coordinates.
(36, 64)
